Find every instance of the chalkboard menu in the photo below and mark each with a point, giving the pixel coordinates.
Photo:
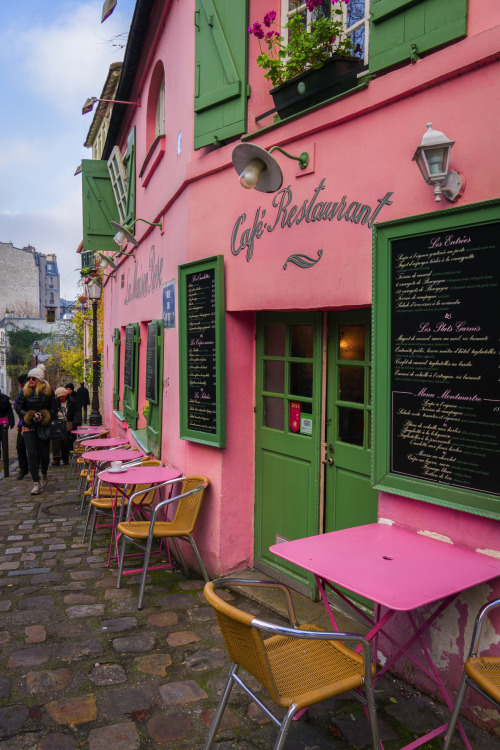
(201, 311)
(151, 364)
(442, 387)
(128, 365)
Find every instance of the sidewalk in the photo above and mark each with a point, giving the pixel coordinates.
(81, 667)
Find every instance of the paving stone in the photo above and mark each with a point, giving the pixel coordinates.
(175, 693)
(202, 614)
(46, 577)
(79, 599)
(58, 741)
(108, 674)
(212, 658)
(126, 700)
(35, 633)
(57, 546)
(5, 605)
(5, 638)
(134, 644)
(10, 565)
(195, 585)
(28, 556)
(79, 710)
(85, 610)
(153, 664)
(163, 619)
(39, 578)
(13, 550)
(48, 681)
(30, 657)
(5, 685)
(182, 638)
(73, 629)
(170, 728)
(118, 625)
(106, 583)
(25, 741)
(73, 586)
(84, 575)
(229, 719)
(118, 736)
(76, 650)
(36, 602)
(12, 719)
(175, 601)
(117, 594)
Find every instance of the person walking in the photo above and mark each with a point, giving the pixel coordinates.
(61, 447)
(84, 397)
(7, 420)
(36, 405)
(74, 411)
(22, 458)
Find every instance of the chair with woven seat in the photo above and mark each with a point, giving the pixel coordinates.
(482, 673)
(104, 500)
(144, 533)
(298, 665)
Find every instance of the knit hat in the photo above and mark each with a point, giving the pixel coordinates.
(61, 392)
(37, 372)
(22, 379)
(70, 385)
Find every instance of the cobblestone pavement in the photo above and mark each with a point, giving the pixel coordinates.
(81, 667)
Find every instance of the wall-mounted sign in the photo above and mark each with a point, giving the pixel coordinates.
(437, 358)
(202, 354)
(140, 283)
(151, 363)
(168, 297)
(286, 214)
(128, 364)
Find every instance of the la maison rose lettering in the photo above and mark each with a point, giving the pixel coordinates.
(144, 282)
(287, 214)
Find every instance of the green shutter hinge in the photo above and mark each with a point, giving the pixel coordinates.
(197, 19)
(414, 56)
(249, 90)
(211, 21)
(217, 142)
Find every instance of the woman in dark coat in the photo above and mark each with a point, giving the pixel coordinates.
(7, 420)
(36, 405)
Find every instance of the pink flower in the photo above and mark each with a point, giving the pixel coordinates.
(271, 34)
(269, 18)
(256, 30)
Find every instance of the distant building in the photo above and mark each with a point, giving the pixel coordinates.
(29, 282)
(13, 323)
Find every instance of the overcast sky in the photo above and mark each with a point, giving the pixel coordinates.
(53, 55)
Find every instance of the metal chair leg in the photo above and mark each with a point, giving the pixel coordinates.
(284, 728)
(455, 713)
(198, 557)
(92, 527)
(121, 561)
(144, 576)
(89, 511)
(221, 707)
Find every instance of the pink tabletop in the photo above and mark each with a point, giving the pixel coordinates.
(140, 475)
(105, 442)
(118, 454)
(89, 430)
(395, 567)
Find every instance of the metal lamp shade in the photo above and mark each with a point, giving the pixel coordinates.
(125, 232)
(433, 155)
(271, 177)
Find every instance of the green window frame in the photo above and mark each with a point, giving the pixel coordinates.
(402, 30)
(116, 369)
(129, 163)
(131, 374)
(154, 385)
(431, 440)
(98, 207)
(221, 53)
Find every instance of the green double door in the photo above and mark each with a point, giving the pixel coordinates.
(313, 414)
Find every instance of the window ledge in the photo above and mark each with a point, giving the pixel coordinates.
(141, 438)
(153, 158)
(120, 416)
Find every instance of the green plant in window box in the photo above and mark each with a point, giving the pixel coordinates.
(145, 409)
(307, 48)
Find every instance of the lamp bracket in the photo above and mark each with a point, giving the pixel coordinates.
(303, 159)
(453, 186)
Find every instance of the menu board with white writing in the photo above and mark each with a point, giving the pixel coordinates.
(444, 352)
(202, 340)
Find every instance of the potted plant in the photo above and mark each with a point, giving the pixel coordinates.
(315, 64)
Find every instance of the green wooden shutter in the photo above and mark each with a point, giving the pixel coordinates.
(220, 99)
(116, 382)
(130, 391)
(129, 164)
(99, 206)
(155, 407)
(401, 28)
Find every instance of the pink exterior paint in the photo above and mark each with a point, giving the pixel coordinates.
(361, 147)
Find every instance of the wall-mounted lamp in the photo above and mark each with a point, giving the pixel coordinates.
(258, 169)
(89, 103)
(78, 170)
(124, 233)
(433, 158)
(107, 261)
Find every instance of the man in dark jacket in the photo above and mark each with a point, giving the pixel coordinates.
(7, 420)
(84, 397)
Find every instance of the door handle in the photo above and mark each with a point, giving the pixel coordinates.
(329, 461)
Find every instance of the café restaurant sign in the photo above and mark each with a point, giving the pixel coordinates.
(287, 214)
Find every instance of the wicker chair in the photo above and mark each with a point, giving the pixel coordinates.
(299, 666)
(143, 533)
(480, 672)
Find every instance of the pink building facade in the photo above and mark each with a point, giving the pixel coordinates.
(293, 270)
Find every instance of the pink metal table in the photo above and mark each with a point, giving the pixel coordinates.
(108, 442)
(106, 455)
(400, 571)
(144, 475)
(89, 430)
